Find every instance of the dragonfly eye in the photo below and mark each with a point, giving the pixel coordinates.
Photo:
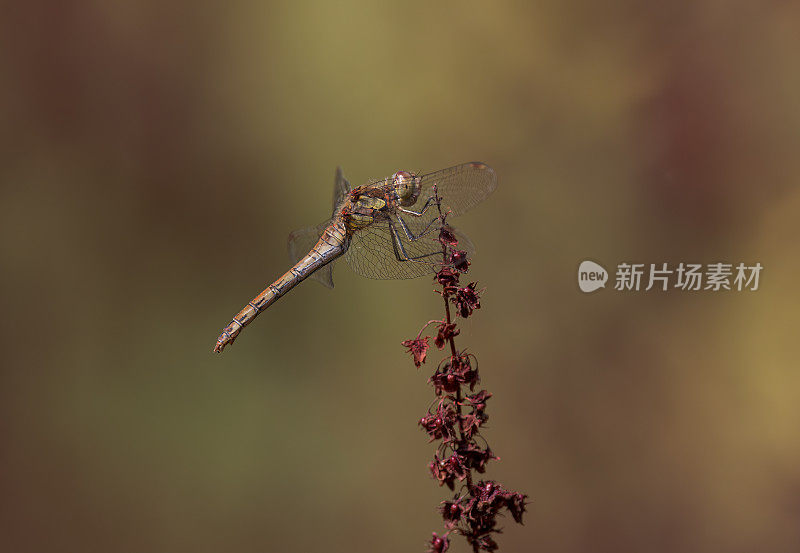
(403, 184)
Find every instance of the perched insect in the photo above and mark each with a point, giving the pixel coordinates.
(386, 229)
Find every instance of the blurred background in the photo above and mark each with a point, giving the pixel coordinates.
(154, 157)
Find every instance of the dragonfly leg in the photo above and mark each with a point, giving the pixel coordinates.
(421, 211)
(410, 235)
(400, 250)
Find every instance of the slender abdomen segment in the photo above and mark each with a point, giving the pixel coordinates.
(330, 246)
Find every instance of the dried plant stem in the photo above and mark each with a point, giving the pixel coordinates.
(472, 512)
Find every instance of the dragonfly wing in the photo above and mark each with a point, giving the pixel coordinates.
(341, 188)
(372, 254)
(464, 243)
(300, 243)
(461, 187)
(374, 251)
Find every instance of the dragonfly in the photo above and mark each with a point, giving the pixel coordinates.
(386, 229)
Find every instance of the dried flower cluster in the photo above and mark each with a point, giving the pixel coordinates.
(457, 415)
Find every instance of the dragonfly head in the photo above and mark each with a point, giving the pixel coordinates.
(406, 186)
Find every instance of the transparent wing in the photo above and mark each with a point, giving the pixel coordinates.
(461, 187)
(374, 252)
(340, 188)
(300, 243)
(464, 243)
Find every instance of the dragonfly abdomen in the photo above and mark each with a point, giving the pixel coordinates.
(331, 245)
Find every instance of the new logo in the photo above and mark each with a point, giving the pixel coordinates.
(591, 276)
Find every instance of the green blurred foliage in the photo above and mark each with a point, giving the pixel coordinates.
(154, 157)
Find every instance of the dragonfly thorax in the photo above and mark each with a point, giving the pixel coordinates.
(406, 187)
(361, 213)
